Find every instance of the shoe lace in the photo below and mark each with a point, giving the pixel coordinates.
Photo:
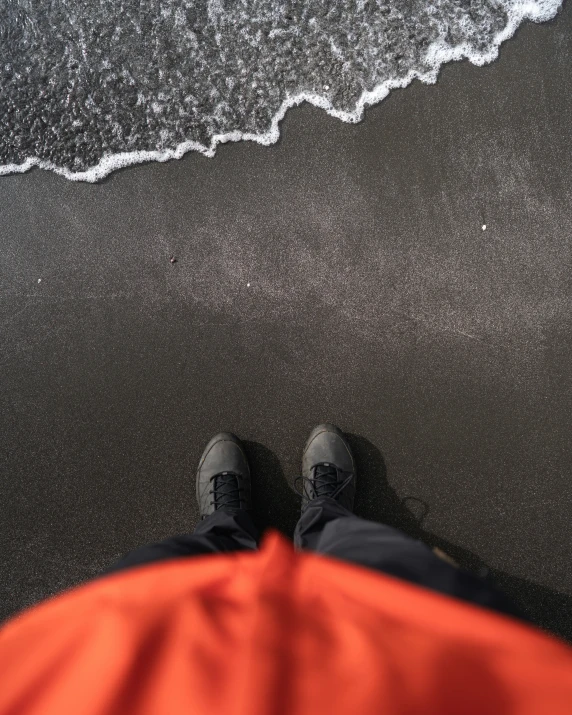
(325, 482)
(226, 490)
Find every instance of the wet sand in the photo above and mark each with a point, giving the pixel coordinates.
(376, 301)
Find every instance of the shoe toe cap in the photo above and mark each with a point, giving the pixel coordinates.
(224, 453)
(327, 443)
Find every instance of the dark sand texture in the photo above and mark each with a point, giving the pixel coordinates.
(376, 302)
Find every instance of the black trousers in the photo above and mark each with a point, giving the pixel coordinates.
(329, 529)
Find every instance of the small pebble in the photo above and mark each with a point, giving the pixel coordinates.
(39, 280)
(484, 227)
(326, 87)
(248, 285)
(173, 259)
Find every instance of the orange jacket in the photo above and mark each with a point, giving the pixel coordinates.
(274, 632)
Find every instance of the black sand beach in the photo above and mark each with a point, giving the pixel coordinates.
(341, 275)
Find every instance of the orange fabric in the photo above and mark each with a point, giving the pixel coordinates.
(273, 632)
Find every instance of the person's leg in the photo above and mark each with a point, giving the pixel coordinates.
(224, 497)
(330, 529)
(222, 531)
(328, 526)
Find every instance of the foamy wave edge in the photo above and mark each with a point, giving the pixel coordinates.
(438, 54)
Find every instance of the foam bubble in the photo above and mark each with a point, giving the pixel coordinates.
(94, 87)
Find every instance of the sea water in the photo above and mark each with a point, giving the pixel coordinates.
(89, 86)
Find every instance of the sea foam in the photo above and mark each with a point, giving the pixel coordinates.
(88, 88)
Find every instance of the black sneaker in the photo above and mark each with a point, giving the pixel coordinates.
(223, 477)
(328, 468)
